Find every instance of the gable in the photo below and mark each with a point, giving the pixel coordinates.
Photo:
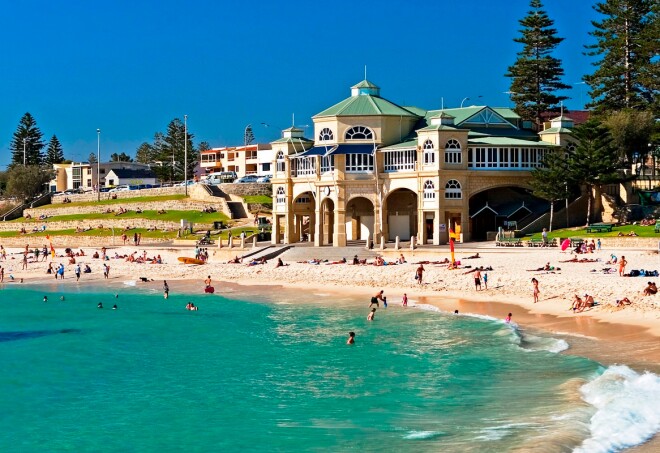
(487, 117)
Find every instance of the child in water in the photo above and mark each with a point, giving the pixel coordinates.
(508, 318)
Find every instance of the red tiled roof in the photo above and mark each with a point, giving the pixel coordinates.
(578, 116)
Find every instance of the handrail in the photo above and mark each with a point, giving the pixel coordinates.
(11, 211)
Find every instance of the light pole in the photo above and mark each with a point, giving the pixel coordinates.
(98, 164)
(467, 99)
(566, 188)
(24, 159)
(185, 152)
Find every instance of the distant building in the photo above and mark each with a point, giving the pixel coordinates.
(131, 177)
(76, 175)
(244, 160)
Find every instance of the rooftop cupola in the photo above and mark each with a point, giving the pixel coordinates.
(562, 121)
(442, 119)
(292, 132)
(365, 88)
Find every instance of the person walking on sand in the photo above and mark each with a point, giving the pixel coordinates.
(207, 282)
(622, 266)
(485, 280)
(135, 239)
(535, 284)
(419, 274)
(477, 280)
(77, 272)
(25, 261)
(106, 271)
(404, 301)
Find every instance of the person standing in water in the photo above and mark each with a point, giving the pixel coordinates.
(166, 289)
(535, 284)
(351, 338)
(371, 315)
(404, 301)
(508, 318)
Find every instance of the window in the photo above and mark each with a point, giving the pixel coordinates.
(359, 133)
(265, 167)
(251, 154)
(208, 157)
(453, 189)
(359, 163)
(230, 157)
(570, 147)
(303, 200)
(280, 198)
(400, 160)
(280, 162)
(429, 191)
(453, 152)
(303, 166)
(89, 171)
(326, 135)
(429, 153)
(89, 183)
(327, 164)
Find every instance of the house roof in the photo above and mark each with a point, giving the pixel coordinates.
(506, 141)
(578, 116)
(556, 130)
(296, 140)
(365, 84)
(403, 145)
(365, 105)
(127, 173)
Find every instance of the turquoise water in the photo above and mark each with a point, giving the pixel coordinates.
(270, 376)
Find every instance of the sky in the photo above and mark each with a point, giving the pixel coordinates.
(130, 67)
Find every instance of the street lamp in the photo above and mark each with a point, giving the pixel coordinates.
(185, 152)
(24, 160)
(566, 189)
(98, 164)
(467, 99)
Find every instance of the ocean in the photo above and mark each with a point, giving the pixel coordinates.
(252, 373)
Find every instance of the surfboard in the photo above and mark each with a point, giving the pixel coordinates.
(187, 260)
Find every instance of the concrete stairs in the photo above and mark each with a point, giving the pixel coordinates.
(307, 252)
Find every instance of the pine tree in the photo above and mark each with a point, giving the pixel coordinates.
(54, 153)
(536, 75)
(173, 149)
(92, 158)
(248, 136)
(549, 182)
(625, 42)
(27, 145)
(594, 161)
(145, 153)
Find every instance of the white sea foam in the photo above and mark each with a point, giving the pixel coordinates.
(129, 283)
(499, 432)
(427, 307)
(627, 411)
(534, 343)
(422, 435)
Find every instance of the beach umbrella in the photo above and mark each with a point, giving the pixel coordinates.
(566, 243)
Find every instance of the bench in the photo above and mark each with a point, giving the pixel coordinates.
(599, 228)
(657, 226)
(535, 243)
(509, 242)
(576, 242)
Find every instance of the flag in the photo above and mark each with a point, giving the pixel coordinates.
(452, 236)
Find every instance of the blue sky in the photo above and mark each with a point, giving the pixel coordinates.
(129, 67)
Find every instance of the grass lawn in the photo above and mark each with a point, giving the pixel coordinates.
(641, 231)
(171, 216)
(117, 201)
(261, 199)
(105, 232)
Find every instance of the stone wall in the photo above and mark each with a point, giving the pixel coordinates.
(118, 224)
(160, 191)
(75, 242)
(170, 205)
(247, 189)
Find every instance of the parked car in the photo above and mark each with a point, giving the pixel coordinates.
(220, 177)
(190, 182)
(247, 179)
(120, 188)
(264, 179)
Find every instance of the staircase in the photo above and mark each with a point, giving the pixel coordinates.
(236, 209)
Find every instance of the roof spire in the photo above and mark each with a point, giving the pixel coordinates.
(293, 120)
(365, 72)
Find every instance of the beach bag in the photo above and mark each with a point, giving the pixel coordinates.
(416, 277)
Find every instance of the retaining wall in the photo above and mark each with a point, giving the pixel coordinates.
(247, 189)
(160, 191)
(170, 205)
(118, 224)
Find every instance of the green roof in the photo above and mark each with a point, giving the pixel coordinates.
(507, 113)
(292, 129)
(365, 105)
(293, 140)
(556, 130)
(416, 110)
(403, 145)
(506, 141)
(461, 115)
(365, 84)
(438, 127)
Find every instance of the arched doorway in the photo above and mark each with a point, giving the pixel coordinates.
(401, 212)
(304, 217)
(359, 219)
(327, 222)
(510, 208)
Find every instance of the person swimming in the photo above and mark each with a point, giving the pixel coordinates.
(114, 307)
(100, 305)
(351, 338)
(45, 298)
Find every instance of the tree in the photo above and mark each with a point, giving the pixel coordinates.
(536, 75)
(173, 149)
(549, 182)
(145, 153)
(54, 152)
(27, 181)
(626, 46)
(594, 161)
(27, 143)
(92, 158)
(123, 157)
(203, 146)
(631, 132)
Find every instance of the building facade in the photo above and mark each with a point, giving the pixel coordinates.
(378, 170)
(82, 175)
(244, 160)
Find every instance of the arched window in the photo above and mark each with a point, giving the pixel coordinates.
(453, 152)
(326, 135)
(429, 190)
(359, 133)
(280, 198)
(453, 189)
(280, 161)
(429, 153)
(570, 147)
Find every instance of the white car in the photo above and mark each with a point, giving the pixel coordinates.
(120, 188)
(264, 179)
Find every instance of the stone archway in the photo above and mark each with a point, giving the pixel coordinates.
(327, 226)
(359, 219)
(304, 217)
(400, 215)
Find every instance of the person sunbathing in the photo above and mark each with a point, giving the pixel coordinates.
(651, 289)
(341, 261)
(622, 302)
(471, 257)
